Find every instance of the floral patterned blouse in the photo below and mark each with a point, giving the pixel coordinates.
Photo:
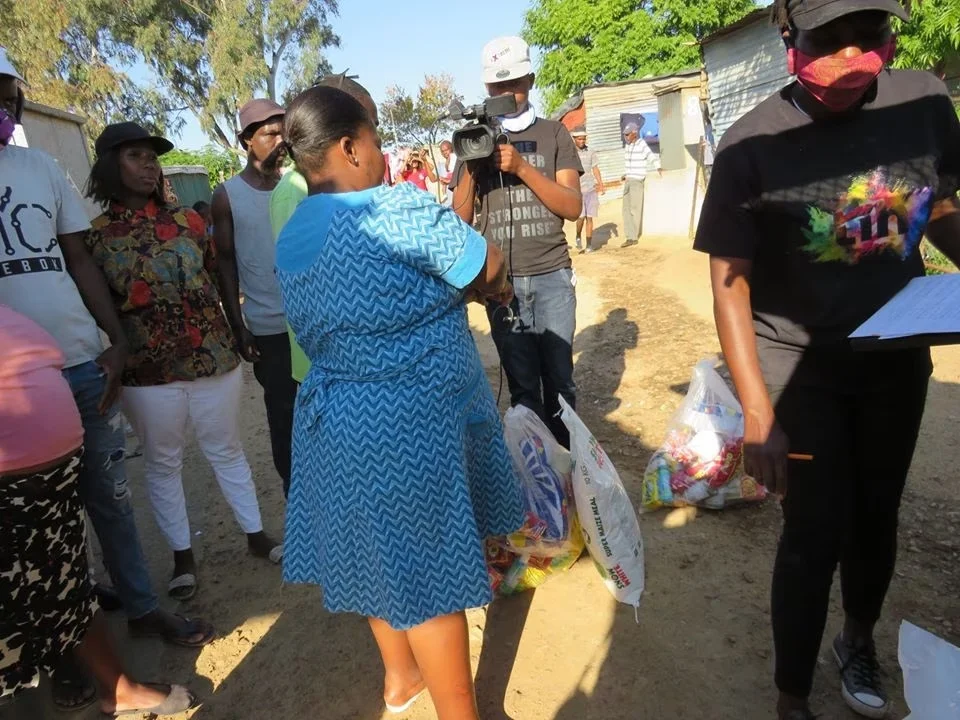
(160, 265)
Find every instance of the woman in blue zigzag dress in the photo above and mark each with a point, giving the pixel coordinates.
(399, 464)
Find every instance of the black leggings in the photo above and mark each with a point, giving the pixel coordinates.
(842, 506)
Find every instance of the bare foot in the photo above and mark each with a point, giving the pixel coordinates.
(261, 544)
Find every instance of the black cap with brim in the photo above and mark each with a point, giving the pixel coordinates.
(811, 14)
(126, 132)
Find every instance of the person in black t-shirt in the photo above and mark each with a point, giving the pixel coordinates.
(526, 191)
(817, 204)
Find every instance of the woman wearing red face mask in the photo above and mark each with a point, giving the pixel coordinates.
(818, 201)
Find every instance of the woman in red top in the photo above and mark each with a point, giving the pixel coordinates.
(160, 265)
(417, 170)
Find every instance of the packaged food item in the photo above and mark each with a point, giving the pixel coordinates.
(701, 460)
(550, 540)
(608, 519)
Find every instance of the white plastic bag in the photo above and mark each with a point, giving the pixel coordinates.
(550, 540)
(931, 675)
(609, 521)
(543, 466)
(701, 460)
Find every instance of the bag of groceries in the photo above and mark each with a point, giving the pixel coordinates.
(701, 460)
(550, 540)
(609, 521)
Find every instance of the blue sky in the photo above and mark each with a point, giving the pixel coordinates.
(397, 42)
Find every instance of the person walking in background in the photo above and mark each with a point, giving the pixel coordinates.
(639, 160)
(49, 277)
(292, 190)
(47, 603)
(591, 187)
(160, 265)
(813, 219)
(374, 281)
(245, 258)
(534, 178)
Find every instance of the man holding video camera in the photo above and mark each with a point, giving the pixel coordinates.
(526, 189)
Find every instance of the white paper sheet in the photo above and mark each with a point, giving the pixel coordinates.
(926, 306)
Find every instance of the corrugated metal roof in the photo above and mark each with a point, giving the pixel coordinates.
(604, 104)
(745, 65)
(755, 16)
(649, 79)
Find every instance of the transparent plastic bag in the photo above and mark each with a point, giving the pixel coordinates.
(931, 675)
(701, 460)
(550, 540)
(608, 518)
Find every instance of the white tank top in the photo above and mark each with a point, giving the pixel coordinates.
(256, 257)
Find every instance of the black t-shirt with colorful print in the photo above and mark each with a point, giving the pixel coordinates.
(830, 212)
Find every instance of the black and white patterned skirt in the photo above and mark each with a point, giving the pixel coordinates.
(46, 597)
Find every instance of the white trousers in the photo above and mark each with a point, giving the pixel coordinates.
(159, 415)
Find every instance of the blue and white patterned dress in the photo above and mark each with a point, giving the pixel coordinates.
(399, 463)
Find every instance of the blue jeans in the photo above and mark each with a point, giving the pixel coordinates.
(103, 489)
(536, 348)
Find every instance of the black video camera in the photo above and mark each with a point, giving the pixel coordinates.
(478, 138)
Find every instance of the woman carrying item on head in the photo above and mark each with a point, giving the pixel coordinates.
(47, 605)
(159, 262)
(399, 464)
(817, 204)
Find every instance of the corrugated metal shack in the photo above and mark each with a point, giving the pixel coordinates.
(745, 63)
(605, 105)
(190, 183)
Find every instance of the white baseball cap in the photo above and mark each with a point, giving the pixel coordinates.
(506, 58)
(6, 67)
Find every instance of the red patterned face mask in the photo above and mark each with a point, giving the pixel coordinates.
(839, 82)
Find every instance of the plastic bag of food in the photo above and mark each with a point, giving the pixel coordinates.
(550, 540)
(931, 675)
(609, 521)
(701, 460)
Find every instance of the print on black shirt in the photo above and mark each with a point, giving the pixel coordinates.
(875, 215)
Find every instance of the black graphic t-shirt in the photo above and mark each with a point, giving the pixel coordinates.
(830, 212)
(512, 217)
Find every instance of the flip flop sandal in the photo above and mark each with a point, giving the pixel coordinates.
(138, 629)
(183, 587)
(399, 709)
(73, 680)
(276, 555)
(178, 700)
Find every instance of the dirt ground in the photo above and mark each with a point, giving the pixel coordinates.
(702, 648)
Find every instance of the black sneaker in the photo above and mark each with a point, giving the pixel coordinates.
(629, 243)
(860, 679)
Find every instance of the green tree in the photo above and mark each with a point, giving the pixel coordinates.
(409, 120)
(70, 62)
(931, 40)
(220, 164)
(214, 55)
(210, 56)
(590, 41)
